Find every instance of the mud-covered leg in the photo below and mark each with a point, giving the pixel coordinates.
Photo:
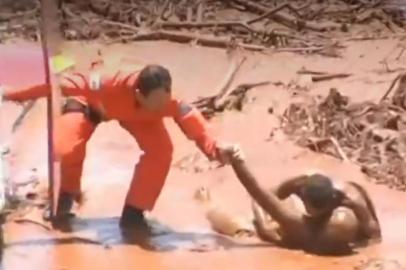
(265, 229)
(1, 239)
(72, 132)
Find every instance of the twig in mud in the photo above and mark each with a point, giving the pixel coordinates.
(26, 109)
(162, 12)
(225, 85)
(30, 221)
(206, 24)
(247, 86)
(119, 24)
(177, 36)
(325, 77)
(364, 38)
(302, 49)
(284, 18)
(4, 17)
(237, 96)
(392, 85)
(315, 144)
(340, 151)
(277, 9)
(402, 50)
(399, 98)
(71, 14)
(315, 49)
(304, 71)
(273, 11)
(200, 10)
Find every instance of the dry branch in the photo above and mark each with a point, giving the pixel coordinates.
(213, 102)
(304, 71)
(205, 24)
(181, 37)
(340, 151)
(272, 12)
(232, 101)
(325, 77)
(223, 91)
(392, 86)
(318, 76)
(286, 19)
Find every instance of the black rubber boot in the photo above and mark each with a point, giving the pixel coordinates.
(65, 204)
(132, 217)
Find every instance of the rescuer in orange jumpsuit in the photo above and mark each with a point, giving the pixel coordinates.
(139, 102)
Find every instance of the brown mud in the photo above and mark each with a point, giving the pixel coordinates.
(96, 241)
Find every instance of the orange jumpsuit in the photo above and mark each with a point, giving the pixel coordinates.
(113, 97)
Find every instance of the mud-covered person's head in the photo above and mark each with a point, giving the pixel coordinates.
(154, 85)
(319, 195)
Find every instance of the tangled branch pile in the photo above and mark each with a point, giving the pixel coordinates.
(254, 25)
(372, 135)
(235, 100)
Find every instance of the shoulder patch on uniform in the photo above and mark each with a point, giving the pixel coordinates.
(184, 108)
(95, 81)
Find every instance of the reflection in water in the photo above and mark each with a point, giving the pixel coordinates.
(105, 232)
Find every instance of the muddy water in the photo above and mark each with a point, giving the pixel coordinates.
(95, 240)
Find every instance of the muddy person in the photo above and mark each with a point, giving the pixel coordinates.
(334, 218)
(139, 101)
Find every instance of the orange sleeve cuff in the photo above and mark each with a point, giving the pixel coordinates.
(75, 85)
(196, 128)
(24, 94)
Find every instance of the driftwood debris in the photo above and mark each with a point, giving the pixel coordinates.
(266, 24)
(318, 76)
(372, 135)
(227, 98)
(234, 101)
(286, 19)
(181, 37)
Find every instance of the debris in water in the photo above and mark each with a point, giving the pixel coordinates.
(372, 135)
(379, 264)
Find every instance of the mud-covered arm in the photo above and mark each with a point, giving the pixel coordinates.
(27, 93)
(267, 234)
(290, 186)
(267, 200)
(369, 226)
(263, 229)
(71, 85)
(196, 128)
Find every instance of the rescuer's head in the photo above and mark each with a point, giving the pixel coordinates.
(154, 87)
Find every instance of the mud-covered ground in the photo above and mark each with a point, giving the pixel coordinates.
(284, 126)
(96, 240)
